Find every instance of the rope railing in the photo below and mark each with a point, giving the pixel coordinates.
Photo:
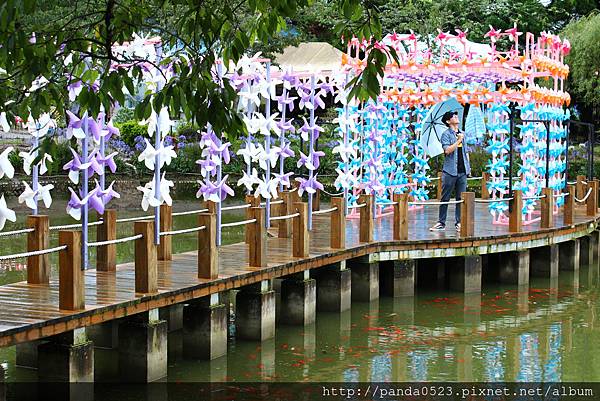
(585, 197)
(386, 203)
(330, 194)
(357, 206)
(333, 209)
(140, 218)
(288, 216)
(238, 223)
(561, 195)
(277, 202)
(188, 212)
(533, 197)
(474, 178)
(493, 200)
(429, 203)
(183, 231)
(76, 225)
(17, 232)
(244, 206)
(114, 241)
(33, 253)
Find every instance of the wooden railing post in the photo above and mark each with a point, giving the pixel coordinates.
(295, 195)
(285, 208)
(547, 207)
(592, 200)
(71, 280)
(515, 217)
(580, 187)
(569, 206)
(300, 231)
(467, 214)
(400, 216)
(439, 186)
(106, 256)
(366, 218)
(316, 205)
(337, 236)
(208, 266)
(257, 248)
(146, 271)
(485, 178)
(166, 224)
(254, 202)
(38, 267)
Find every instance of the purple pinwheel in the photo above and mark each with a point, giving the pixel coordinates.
(284, 179)
(223, 189)
(208, 166)
(75, 166)
(326, 87)
(95, 166)
(284, 151)
(107, 161)
(95, 199)
(286, 126)
(310, 185)
(284, 101)
(109, 193)
(316, 155)
(289, 79)
(305, 161)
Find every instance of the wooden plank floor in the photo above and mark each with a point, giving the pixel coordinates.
(29, 312)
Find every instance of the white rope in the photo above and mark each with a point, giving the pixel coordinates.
(190, 212)
(244, 206)
(585, 197)
(114, 241)
(135, 219)
(32, 253)
(533, 197)
(474, 178)
(561, 195)
(493, 200)
(330, 194)
(571, 182)
(294, 190)
(184, 231)
(17, 232)
(238, 223)
(452, 202)
(333, 209)
(67, 226)
(289, 216)
(277, 202)
(357, 206)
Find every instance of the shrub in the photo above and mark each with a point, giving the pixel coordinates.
(131, 129)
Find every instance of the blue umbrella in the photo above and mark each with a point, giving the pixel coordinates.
(433, 127)
(475, 124)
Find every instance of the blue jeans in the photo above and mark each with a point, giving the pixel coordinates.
(457, 183)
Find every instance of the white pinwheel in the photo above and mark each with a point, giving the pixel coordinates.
(345, 180)
(165, 190)
(6, 168)
(252, 123)
(249, 180)
(268, 89)
(28, 159)
(6, 213)
(29, 196)
(265, 157)
(267, 189)
(345, 151)
(149, 154)
(39, 127)
(162, 119)
(266, 125)
(4, 122)
(250, 153)
(250, 95)
(148, 198)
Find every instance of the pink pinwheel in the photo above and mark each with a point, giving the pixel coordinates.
(493, 34)
(462, 36)
(394, 37)
(442, 36)
(513, 33)
(310, 185)
(75, 166)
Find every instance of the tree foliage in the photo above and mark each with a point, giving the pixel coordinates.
(47, 46)
(584, 60)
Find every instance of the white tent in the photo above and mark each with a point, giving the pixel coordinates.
(310, 56)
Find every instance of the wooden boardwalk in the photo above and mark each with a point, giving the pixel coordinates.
(29, 312)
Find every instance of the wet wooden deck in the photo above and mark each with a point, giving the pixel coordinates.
(29, 312)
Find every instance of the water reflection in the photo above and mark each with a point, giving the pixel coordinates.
(543, 332)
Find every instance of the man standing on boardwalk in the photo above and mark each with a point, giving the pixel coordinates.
(455, 171)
